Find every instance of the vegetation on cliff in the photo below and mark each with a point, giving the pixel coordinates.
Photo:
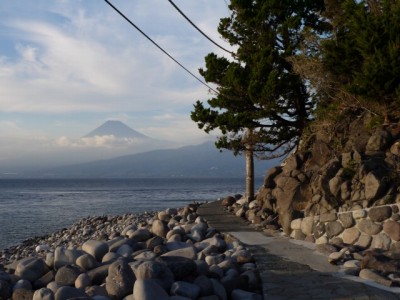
(300, 68)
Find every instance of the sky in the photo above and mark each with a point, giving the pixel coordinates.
(67, 66)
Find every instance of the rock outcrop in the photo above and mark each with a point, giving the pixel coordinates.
(345, 168)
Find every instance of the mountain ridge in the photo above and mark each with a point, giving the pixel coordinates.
(117, 129)
(202, 160)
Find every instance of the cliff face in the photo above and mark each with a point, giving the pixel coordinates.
(342, 165)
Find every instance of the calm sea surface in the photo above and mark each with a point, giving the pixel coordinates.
(34, 207)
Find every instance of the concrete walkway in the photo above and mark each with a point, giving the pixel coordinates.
(290, 269)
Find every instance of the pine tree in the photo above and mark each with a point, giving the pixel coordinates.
(262, 105)
(363, 51)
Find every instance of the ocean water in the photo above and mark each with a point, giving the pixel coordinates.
(35, 207)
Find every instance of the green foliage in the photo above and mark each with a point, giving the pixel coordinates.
(258, 90)
(363, 51)
(375, 122)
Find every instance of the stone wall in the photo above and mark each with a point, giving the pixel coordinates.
(375, 228)
(351, 167)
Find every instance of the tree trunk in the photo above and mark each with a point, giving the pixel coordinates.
(249, 171)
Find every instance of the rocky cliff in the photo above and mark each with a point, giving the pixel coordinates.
(344, 164)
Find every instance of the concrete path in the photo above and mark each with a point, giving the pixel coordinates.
(290, 269)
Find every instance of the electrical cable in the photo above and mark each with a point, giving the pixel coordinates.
(159, 47)
(198, 29)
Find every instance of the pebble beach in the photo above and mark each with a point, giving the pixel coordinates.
(169, 254)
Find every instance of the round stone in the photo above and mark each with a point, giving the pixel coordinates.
(188, 252)
(43, 294)
(243, 256)
(296, 224)
(149, 289)
(67, 275)
(68, 292)
(228, 201)
(23, 284)
(22, 294)
(328, 217)
(392, 229)
(145, 256)
(364, 241)
(319, 230)
(185, 289)
(346, 219)
(307, 225)
(156, 271)
(298, 235)
(140, 235)
(321, 240)
(31, 269)
(159, 228)
(369, 227)
(42, 248)
(352, 264)
(120, 280)
(333, 229)
(379, 214)
(351, 235)
(381, 241)
(95, 248)
(163, 216)
(180, 267)
(359, 214)
(374, 276)
(154, 241)
(214, 259)
(82, 281)
(86, 262)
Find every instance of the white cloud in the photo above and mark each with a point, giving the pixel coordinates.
(105, 141)
(80, 57)
(84, 65)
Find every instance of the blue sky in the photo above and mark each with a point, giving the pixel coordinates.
(67, 66)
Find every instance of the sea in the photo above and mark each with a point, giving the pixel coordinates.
(36, 207)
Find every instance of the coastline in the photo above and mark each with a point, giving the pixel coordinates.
(32, 207)
(140, 244)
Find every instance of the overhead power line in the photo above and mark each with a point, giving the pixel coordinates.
(198, 29)
(159, 47)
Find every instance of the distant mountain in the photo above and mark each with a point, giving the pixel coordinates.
(202, 160)
(117, 129)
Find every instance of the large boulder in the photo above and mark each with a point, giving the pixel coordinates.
(68, 292)
(64, 256)
(31, 269)
(185, 289)
(95, 248)
(159, 228)
(379, 214)
(43, 294)
(156, 271)
(120, 280)
(67, 275)
(188, 252)
(228, 201)
(392, 229)
(147, 289)
(374, 186)
(180, 267)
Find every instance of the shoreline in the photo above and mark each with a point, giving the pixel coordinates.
(94, 246)
(36, 208)
(89, 229)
